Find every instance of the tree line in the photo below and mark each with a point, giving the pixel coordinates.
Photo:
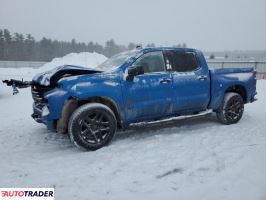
(24, 47)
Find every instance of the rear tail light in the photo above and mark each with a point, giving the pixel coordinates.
(255, 78)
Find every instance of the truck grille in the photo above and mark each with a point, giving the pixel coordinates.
(37, 92)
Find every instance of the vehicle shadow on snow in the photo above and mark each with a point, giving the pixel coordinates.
(144, 130)
(53, 139)
(140, 131)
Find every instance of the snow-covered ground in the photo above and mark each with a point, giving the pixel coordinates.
(196, 158)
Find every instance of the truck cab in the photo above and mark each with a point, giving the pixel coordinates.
(172, 82)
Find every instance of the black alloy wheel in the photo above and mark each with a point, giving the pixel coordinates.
(232, 108)
(92, 126)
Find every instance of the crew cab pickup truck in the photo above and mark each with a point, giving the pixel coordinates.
(139, 85)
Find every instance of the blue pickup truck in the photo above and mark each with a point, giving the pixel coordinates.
(135, 86)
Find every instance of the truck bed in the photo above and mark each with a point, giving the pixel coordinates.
(223, 80)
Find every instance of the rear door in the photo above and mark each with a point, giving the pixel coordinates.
(191, 84)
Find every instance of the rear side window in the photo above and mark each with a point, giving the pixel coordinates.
(151, 62)
(181, 61)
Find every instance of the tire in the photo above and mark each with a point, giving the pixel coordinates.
(231, 110)
(92, 126)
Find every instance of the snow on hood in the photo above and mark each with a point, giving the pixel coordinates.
(52, 76)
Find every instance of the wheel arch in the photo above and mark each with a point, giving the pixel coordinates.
(239, 89)
(72, 103)
(109, 102)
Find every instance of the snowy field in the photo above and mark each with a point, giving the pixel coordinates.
(195, 158)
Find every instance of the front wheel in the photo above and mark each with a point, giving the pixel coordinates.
(92, 126)
(232, 108)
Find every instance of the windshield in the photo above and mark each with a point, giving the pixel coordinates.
(116, 60)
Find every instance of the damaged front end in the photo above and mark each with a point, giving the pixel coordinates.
(38, 91)
(46, 92)
(40, 102)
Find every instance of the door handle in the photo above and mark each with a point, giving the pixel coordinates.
(202, 78)
(165, 80)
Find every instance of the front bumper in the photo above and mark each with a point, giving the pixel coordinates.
(37, 117)
(37, 114)
(48, 105)
(253, 97)
(40, 115)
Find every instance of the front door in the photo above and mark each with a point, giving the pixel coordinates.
(149, 96)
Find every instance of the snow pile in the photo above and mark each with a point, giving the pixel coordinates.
(84, 59)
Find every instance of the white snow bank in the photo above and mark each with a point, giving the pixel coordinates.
(84, 59)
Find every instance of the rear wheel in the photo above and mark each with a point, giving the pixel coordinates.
(232, 108)
(92, 126)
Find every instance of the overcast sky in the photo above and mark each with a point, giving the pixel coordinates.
(203, 24)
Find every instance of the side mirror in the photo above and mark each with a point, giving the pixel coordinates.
(134, 71)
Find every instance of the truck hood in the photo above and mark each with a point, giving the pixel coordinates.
(50, 78)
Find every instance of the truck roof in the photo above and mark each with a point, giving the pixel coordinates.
(166, 48)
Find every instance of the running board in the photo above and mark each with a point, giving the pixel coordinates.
(203, 113)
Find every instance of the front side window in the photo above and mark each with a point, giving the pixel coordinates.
(151, 62)
(181, 61)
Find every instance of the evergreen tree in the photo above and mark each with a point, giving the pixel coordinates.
(24, 47)
(17, 47)
(7, 45)
(2, 42)
(184, 45)
(111, 48)
(98, 48)
(29, 47)
(46, 49)
(212, 56)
